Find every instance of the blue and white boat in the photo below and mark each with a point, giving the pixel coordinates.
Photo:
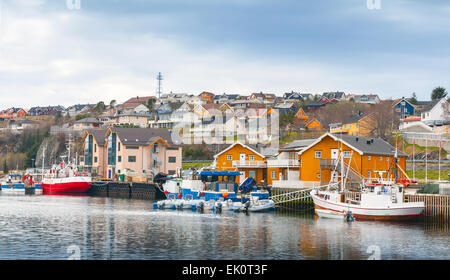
(19, 183)
(214, 185)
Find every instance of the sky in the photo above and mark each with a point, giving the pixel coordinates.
(65, 52)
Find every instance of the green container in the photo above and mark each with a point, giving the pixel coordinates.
(122, 177)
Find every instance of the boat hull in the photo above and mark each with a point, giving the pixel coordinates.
(412, 211)
(81, 185)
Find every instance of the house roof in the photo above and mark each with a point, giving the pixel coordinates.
(142, 136)
(99, 135)
(363, 145)
(251, 147)
(430, 105)
(298, 144)
(355, 118)
(88, 120)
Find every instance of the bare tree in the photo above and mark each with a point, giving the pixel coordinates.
(383, 120)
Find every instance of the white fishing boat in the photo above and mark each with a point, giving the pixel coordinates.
(379, 199)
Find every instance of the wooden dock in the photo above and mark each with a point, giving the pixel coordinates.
(437, 206)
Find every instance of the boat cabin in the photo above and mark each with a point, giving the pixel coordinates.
(219, 180)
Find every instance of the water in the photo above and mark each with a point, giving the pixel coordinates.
(65, 227)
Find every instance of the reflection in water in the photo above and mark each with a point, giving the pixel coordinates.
(44, 227)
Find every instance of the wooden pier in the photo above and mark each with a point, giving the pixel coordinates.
(437, 207)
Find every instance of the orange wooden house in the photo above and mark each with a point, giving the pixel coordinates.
(309, 123)
(244, 158)
(365, 156)
(12, 113)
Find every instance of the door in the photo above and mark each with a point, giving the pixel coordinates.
(334, 153)
(242, 159)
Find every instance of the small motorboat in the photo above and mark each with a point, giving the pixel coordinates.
(187, 203)
(323, 213)
(169, 203)
(257, 205)
(262, 205)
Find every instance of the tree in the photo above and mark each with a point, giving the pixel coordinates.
(99, 108)
(383, 121)
(413, 99)
(438, 93)
(112, 104)
(150, 104)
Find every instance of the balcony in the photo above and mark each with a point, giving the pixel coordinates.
(283, 163)
(249, 163)
(327, 163)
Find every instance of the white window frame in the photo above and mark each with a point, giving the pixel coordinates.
(229, 157)
(317, 154)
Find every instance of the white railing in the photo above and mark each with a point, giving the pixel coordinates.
(283, 163)
(294, 184)
(249, 163)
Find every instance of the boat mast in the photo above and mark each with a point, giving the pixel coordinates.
(342, 165)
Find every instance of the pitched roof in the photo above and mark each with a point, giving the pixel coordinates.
(142, 136)
(430, 105)
(99, 135)
(298, 144)
(88, 120)
(363, 145)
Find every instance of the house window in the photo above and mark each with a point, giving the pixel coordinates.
(381, 158)
(81, 158)
(252, 174)
(318, 175)
(368, 158)
(131, 158)
(119, 159)
(95, 148)
(132, 147)
(118, 147)
(368, 174)
(172, 159)
(95, 159)
(274, 174)
(318, 154)
(229, 157)
(347, 154)
(251, 157)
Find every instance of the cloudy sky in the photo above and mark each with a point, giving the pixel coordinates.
(53, 53)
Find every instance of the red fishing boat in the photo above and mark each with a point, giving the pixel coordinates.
(65, 180)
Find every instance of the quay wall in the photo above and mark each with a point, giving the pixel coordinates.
(126, 190)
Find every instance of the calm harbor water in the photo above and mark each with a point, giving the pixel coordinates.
(69, 227)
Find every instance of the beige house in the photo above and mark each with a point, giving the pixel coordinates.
(139, 152)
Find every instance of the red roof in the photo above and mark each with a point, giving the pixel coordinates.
(412, 119)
